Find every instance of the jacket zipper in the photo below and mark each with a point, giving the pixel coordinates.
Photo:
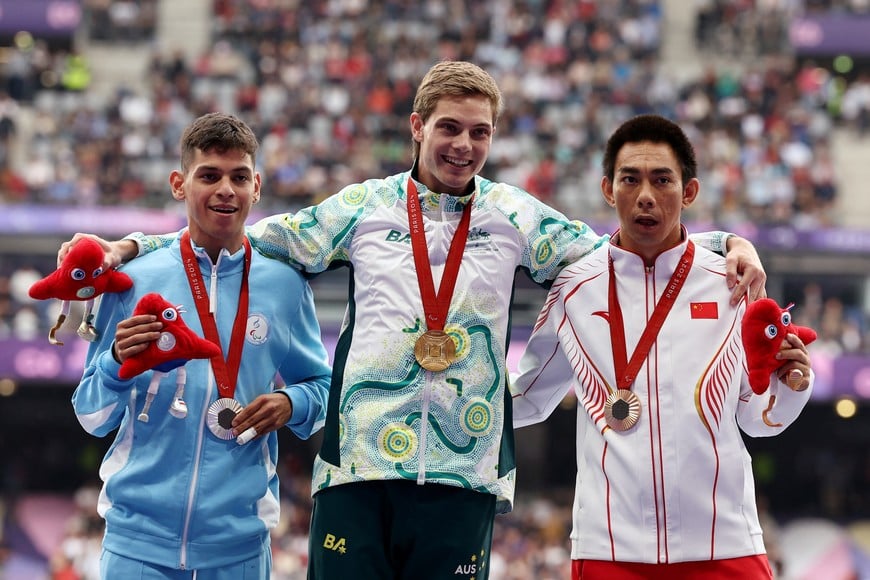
(191, 492)
(424, 429)
(656, 444)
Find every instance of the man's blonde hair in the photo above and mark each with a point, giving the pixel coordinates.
(455, 78)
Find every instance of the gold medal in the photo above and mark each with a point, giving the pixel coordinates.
(435, 350)
(220, 417)
(621, 410)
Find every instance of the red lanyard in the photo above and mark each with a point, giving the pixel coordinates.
(225, 371)
(627, 371)
(435, 306)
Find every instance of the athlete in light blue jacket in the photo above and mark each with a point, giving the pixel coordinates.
(187, 487)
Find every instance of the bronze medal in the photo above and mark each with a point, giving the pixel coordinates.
(435, 350)
(621, 410)
(220, 417)
(622, 407)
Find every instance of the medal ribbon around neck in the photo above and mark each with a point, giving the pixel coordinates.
(627, 371)
(435, 307)
(226, 371)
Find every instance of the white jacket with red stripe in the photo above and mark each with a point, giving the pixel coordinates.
(678, 486)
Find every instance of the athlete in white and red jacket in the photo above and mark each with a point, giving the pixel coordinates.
(677, 486)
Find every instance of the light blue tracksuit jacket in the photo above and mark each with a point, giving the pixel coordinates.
(175, 494)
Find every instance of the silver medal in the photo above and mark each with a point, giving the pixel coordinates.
(220, 417)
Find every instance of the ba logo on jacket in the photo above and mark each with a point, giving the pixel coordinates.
(394, 236)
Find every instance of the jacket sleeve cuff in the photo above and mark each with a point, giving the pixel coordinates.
(137, 238)
(301, 408)
(109, 368)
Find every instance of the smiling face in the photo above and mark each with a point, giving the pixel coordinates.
(648, 193)
(454, 142)
(218, 188)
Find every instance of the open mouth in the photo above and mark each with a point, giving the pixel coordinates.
(461, 163)
(224, 210)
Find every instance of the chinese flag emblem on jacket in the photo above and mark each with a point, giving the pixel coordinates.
(705, 310)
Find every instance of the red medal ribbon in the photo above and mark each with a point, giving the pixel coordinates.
(435, 306)
(627, 371)
(226, 372)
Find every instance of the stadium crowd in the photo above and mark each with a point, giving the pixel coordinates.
(327, 86)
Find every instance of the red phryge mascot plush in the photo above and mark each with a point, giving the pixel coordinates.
(177, 345)
(765, 325)
(80, 277)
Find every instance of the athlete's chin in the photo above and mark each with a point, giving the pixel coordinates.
(224, 231)
(227, 222)
(648, 230)
(456, 181)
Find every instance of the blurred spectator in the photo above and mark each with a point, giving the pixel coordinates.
(76, 74)
(126, 21)
(841, 322)
(855, 107)
(9, 112)
(82, 545)
(62, 568)
(25, 60)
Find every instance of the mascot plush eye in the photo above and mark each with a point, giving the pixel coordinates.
(77, 274)
(97, 272)
(764, 327)
(169, 314)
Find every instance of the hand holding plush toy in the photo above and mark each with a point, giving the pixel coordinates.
(177, 345)
(80, 277)
(765, 325)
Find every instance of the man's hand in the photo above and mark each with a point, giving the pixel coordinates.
(795, 370)
(116, 253)
(134, 334)
(744, 273)
(264, 414)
